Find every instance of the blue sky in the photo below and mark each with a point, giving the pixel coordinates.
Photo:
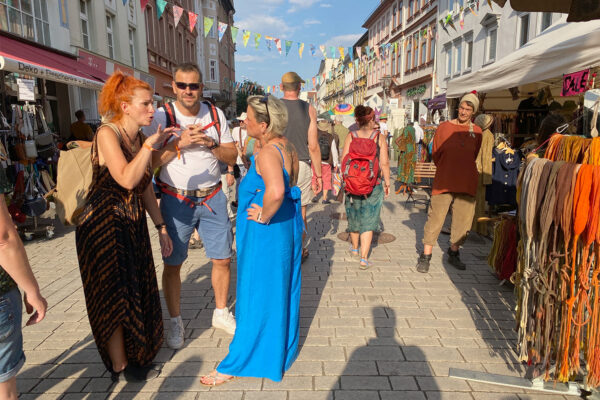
(319, 22)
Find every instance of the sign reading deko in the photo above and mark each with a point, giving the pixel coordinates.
(416, 91)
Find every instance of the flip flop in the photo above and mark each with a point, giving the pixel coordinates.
(215, 379)
(353, 252)
(304, 255)
(367, 264)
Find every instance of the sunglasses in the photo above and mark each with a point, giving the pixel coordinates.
(265, 101)
(192, 86)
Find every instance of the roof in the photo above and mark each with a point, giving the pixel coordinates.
(377, 12)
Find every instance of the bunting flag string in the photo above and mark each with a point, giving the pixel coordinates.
(222, 28)
(208, 23)
(160, 7)
(177, 13)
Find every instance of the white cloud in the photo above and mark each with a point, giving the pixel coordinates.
(311, 22)
(266, 25)
(326, 5)
(343, 40)
(298, 4)
(248, 58)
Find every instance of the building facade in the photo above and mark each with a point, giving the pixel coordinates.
(169, 44)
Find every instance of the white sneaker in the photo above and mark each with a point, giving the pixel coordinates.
(176, 333)
(225, 321)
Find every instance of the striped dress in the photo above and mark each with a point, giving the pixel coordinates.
(117, 268)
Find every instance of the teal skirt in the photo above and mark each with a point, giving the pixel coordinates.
(363, 213)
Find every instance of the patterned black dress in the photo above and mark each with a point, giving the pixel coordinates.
(117, 268)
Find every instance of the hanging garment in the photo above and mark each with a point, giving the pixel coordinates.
(404, 144)
(505, 171)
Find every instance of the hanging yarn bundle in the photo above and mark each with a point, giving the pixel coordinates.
(503, 255)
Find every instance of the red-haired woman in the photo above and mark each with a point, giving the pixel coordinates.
(363, 211)
(113, 244)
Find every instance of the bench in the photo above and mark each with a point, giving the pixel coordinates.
(424, 172)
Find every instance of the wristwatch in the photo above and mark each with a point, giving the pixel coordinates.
(214, 146)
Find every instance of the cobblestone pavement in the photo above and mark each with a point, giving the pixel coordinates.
(385, 333)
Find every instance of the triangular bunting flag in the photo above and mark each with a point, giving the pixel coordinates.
(472, 11)
(314, 80)
(124, 2)
(377, 51)
(245, 37)
(313, 49)
(368, 52)
(396, 47)
(234, 33)
(177, 13)
(322, 47)
(288, 46)
(332, 51)
(359, 52)
(278, 44)
(461, 19)
(222, 29)
(350, 53)
(301, 49)
(193, 19)
(144, 3)
(341, 50)
(257, 37)
(268, 41)
(208, 23)
(160, 7)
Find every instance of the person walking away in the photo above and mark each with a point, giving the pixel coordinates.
(340, 130)
(112, 239)
(366, 171)
(301, 131)
(456, 144)
(329, 159)
(265, 343)
(15, 273)
(190, 181)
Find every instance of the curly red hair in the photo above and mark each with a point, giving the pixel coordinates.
(117, 89)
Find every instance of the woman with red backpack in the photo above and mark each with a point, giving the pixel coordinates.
(366, 171)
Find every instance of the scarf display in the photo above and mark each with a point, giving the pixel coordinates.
(557, 279)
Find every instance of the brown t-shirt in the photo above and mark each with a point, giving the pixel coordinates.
(455, 150)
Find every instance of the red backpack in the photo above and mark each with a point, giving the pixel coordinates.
(360, 167)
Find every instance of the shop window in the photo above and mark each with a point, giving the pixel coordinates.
(110, 36)
(546, 21)
(490, 43)
(523, 29)
(132, 46)
(26, 18)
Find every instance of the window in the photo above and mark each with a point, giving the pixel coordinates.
(27, 18)
(523, 29)
(400, 13)
(408, 55)
(410, 8)
(469, 54)
(457, 58)
(132, 46)
(546, 21)
(393, 66)
(85, 28)
(432, 47)
(394, 17)
(415, 49)
(109, 36)
(399, 59)
(423, 50)
(492, 35)
(213, 70)
(448, 61)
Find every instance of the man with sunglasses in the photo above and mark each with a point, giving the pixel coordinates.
(301, 131)
(190, 181)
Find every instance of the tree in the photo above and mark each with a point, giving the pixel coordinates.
(248, 88)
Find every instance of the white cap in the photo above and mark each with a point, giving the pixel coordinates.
(242, 117)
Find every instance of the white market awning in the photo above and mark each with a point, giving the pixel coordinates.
(562, 49)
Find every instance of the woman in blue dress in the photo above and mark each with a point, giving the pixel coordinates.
(269, 248)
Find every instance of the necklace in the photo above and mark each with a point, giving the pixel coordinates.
(129, 142)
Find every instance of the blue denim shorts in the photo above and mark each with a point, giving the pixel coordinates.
(12, 357)
(213, 226)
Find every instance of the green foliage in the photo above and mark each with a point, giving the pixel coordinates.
(248, 89)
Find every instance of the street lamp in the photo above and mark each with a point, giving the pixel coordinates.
(385, 82)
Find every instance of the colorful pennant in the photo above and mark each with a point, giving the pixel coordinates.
(177, 13)
(245, 37)
(160, 7)
(288, 46)
(222, 29)
(278, 44)
(301, 49)
(234, 33)
(257, 37)
(144, 3)
(208, 23)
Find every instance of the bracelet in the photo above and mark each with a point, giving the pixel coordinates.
(259, 219)
(159, 226)
(146, 145)
(318, 177)
(231, 172)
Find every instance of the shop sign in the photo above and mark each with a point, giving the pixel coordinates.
(92, 61)
(416, 91)
(575, 83)
(26, 89)
(393, 103)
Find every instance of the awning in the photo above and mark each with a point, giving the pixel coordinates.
(21, 57)
(561, 49)
(437, 103)
(578, 10)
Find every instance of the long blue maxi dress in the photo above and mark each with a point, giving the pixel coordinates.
(268, 284)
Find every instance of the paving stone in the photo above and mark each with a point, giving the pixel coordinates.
(365, 383)
(311, 395)
(355, 395)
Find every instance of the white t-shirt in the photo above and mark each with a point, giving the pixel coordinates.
(198, 167)
(419, 134)
(239, 136)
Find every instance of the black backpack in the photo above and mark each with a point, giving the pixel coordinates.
(325, 146)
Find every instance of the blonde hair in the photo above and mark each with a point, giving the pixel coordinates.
(277, 113)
